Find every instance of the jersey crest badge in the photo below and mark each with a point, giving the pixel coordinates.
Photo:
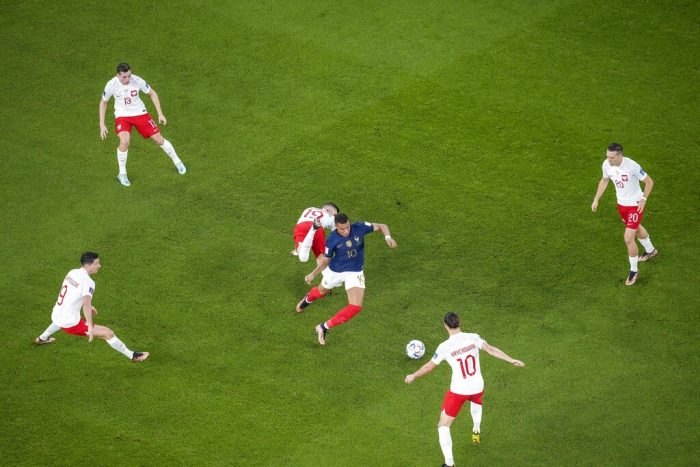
(348, 243)
(134, 92)
(624, 177)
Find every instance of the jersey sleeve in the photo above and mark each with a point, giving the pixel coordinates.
(331, 243)
(88, 288)
(143, 85)
(639, 171)
(605, 170)
(366, 227)
(439, 354)
(478, 341)
(107, 93)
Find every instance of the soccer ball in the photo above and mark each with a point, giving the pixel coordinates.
(415, 349)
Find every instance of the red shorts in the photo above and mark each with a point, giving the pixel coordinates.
(630, 216)
(79, 329)
(319, 243)
(454, 402)
(143, 123)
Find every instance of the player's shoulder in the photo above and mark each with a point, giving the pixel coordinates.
(333, 237)
(112, 82)
(629, 161)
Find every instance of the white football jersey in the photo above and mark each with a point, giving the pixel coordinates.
(127, 102)
(462, 353)
(309, 214)
(626, 178)
(76, 285)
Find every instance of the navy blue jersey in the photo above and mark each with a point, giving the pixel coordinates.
(348, 253)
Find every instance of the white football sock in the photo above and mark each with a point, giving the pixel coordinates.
(646, 243)
(633, 263)
(119, 346)
(305, 246)
(476, 416)
(121, 160)
(170, 151)
(446, 444)
(50, 330)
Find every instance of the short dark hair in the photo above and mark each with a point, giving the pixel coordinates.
(341, 218)
(123, 68)
(88, 257)
(337, 209)
(452, 320)
(615, 147)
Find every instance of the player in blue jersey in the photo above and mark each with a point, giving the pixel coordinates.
(343, 263)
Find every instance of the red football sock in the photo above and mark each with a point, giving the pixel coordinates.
(343, 315)
(313, 295)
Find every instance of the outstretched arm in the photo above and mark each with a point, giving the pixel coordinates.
(156, 103)
(424, 370)
(498, 353)
(384, 229)
(602, 185)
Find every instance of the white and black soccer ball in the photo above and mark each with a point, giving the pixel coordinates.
(415, 349)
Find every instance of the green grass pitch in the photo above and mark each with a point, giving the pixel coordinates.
(475, 130)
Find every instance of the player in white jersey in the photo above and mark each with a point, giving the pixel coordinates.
(461, 351)
(129, 110)
(309, 233)
(76, 294)
(631, 203)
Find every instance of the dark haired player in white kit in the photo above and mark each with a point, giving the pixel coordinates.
(129, 110)
(461, 351)
(631, 203)
(76, 293)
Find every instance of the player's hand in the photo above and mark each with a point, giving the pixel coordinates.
(309, 278)
(409, 379)
(391, 242)
(89, 332)
(162, 119)
(518, 363)
(594, 205)
(641, 205)
(103, 131)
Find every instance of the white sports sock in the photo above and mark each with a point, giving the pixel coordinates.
(121, 160)
(305, 246)
(170, 151)
(119, 346)
(646, 243)
(446, 444)
(633, 263)
(50, 330)
(476, 411)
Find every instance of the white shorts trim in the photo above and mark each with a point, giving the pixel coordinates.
(332, 279)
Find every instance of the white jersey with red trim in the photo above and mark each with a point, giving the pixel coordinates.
(127, 102)
(626, 177)
(76, 285)
(309, 214)
(461, 351)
